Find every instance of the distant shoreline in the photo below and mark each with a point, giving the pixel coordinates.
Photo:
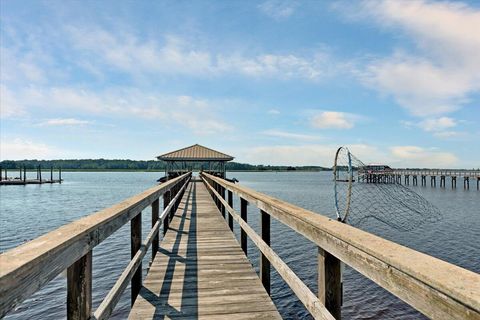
(159, 170)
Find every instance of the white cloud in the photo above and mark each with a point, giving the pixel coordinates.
(278, 9)
(271, 65)
(450, 134)
(65, 122)
(195, 114)
(179, 57)
(440, 127)
(19, 149)
(438, 77)
(437, 124)
(273, 112)
(9, 106)
(413, 156)
(290, 135)
(201, 125)
(323, 155)
(303, 155)
(334, 120)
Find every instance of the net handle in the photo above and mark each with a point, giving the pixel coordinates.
(350, 183)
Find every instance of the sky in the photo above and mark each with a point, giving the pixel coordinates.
(268, 82)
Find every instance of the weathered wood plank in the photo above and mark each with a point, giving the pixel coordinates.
(264, 263)
(329, 282)
(79, 288)
(135, 243)
(155, 216)
(200, 270)
(244, 216)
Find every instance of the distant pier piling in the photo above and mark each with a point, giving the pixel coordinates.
(21, 179)
(399, 176)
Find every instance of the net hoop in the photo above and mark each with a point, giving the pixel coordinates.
(342, 216)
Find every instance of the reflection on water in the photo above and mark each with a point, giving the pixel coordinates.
(32, 210)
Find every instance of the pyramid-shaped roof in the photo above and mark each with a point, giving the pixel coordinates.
(195, 153)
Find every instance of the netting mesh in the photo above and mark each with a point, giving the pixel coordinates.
(365, 192)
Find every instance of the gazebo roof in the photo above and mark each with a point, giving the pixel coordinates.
(195, 153)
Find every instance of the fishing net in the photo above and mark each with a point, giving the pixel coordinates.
(364, 192)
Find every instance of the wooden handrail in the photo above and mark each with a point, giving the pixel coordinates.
(438, 289)
(108, 304)
(437, 172)
(306, 296)
(26, 268)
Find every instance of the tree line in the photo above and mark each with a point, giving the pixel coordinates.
(142, 165)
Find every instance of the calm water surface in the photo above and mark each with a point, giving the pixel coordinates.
(30, 211)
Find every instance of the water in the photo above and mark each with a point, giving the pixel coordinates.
(30, 211)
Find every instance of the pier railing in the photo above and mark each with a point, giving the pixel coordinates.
(437, 289)
(27, 268)
(437, 172)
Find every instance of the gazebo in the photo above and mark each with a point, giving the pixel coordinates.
(195, 157)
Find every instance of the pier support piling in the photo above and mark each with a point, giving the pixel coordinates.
(243, 234)
(155, 216)
(166, 201)
(329, 282)
(136, 242)
(230, 203)
(79, 288)
(264, 262)
(466, 183)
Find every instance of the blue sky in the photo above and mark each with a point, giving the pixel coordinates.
(272, 82)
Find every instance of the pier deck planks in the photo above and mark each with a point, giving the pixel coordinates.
(200, 271)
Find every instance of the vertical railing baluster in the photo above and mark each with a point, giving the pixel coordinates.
(264, 263)
(166, 201)
(79, 288)
(135, 243)
(155, 216)
(329, 282)
(243, 234)
(222, 193)
(230, 203)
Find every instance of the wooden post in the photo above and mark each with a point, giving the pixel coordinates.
(222, 193)
(156, 239)
(79, 288)
(243, 234)
(329, 282)
(60, 174)
(175, 204)
(24, 173)
(6, 174)
(264, 263)
(51, 174)
(230, 203)
(166, 201)
(40, 173)
(1, 173)
(135, 243)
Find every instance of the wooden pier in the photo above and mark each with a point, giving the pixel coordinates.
(403, 176)
(199, 269)
(21, 179)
